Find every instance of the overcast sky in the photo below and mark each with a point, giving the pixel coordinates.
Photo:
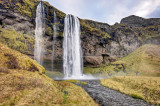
(108, 11)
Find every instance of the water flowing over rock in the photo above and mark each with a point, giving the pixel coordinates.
(39, 32)
(72, 54)
(54, 39)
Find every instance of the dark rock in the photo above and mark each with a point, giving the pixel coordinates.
(135, 21)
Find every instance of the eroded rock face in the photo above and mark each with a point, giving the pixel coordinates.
(123, 42)
(16, 21)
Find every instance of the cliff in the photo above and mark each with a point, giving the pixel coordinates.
(101, 42)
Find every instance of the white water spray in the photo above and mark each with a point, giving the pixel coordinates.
(39, 32)
(72, 54)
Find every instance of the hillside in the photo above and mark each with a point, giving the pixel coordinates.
(22, 82)
(143, 61)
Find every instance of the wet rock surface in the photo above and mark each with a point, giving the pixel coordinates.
(108, 97)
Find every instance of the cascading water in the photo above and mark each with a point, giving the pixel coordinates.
(39, 31)
(54, 38)
(72, 54)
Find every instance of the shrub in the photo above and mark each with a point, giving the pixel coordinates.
(12, 62)
(33, 68)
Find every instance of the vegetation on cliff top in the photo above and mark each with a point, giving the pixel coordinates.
(25, 7)
(147, 33)
(89, 28)
(146, 88)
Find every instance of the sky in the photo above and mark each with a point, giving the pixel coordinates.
(108, 11)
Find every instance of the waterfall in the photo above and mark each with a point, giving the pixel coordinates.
(39, 32)
(72, 54)
(54, 38)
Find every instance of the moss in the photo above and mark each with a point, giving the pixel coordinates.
(26, 7)
(17, 41)
(49, 31)
(147, 33)
(137, 96)
(73, 81)
(87, 28)
(83, 83)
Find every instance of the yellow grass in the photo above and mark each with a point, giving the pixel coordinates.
(147, 88)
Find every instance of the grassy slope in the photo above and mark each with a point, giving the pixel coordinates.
(146, 88)
(145, 60)
(20, 86)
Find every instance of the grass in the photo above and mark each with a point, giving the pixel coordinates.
(139, 87)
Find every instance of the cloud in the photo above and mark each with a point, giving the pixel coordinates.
(109, 11)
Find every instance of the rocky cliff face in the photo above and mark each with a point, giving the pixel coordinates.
(101, 43)
(135, 21)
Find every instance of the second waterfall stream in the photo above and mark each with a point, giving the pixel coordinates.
(72, 51)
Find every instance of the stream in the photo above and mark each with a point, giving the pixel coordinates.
(108, 97)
